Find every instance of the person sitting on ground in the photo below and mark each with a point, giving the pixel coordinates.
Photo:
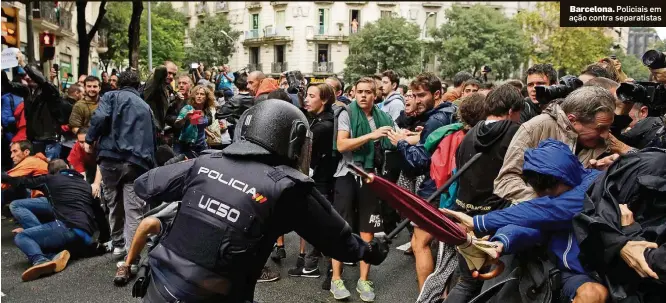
(69, 220)
(560, 182)
(24, 165)
(84, 163)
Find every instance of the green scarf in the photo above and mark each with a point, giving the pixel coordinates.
(360, 127)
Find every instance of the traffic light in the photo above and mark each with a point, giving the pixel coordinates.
(10, 27)
(47, 46)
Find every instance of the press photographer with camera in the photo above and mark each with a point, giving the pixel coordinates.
(537, 75)
(647, 102)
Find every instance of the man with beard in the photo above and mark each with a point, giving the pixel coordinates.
(84, 108)
(182, 95)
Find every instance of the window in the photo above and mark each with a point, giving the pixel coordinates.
(254, 55)
(322, 53)
(354, 21)
(279, 19)
(322, 21)
(279, 53)
(386, 14)
(255, 22)
(431, 23)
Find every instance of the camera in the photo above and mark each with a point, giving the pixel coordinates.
(650, 94)
(568, 83)
(654, 59)
(294, 81)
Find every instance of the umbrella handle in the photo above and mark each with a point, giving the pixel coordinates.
(499, 268)
(359, 171)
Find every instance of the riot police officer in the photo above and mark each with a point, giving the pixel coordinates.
(235, 204)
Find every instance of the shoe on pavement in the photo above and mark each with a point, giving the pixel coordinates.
(278, 253)
(305, 272)
(119, 251)
(123, 275)
(58, 264)
(339, 290)
(134, 268)
(366, 290)
(267, 275)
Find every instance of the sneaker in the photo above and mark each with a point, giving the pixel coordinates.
(267, 275)
(366, 290)
(123, 275)
(278, 253)
(350, 263)
(305, 272)
(339, 290)
(119, 251)
(134, 268)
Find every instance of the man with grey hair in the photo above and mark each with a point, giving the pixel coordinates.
(582, 121)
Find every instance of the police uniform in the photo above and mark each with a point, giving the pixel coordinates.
(235, 204)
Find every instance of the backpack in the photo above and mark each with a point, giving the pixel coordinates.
(443, 160)
(337, 110)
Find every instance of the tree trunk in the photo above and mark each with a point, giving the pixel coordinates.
(84, 36)
(134, 31)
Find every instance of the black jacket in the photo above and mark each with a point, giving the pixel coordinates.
(643, 132)
(124, 126)
(156, 92)
(410, 123)
(475, 192)
(233, 109)
(530, 110)
(639, 180)
(71, 198)
(172, 115)
(43, 108)
(323, 162)
(299, 208)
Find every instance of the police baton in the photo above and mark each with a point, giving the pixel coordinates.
(436, 194)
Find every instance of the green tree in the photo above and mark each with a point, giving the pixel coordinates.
(478, 36)
(659, 45)
(168, 34)
(213, 41)
(568, 48)
(388, 43)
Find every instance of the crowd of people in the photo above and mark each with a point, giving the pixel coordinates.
(573, 185)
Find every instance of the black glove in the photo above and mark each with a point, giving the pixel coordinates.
(377, 252)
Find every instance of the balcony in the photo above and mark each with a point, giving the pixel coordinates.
(386, 3)
(222, 7)
(252, 34)
(278, 33)
(279, 67)
(279, 3)
(253, 67)
(324, 2)
(65, 23)
(432, 4)
(322, 68)
(356, 2)
(327, 33)
(44, 17)
(252, 5)
(201, 8)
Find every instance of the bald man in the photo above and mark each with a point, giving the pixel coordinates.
(172, 70)
(253, 81)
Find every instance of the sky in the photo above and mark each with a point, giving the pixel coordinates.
(661, 31)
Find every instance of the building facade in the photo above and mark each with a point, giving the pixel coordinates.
(313, 37)
(63, 25)
(640, 40)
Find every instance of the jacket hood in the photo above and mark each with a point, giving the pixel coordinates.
(393, 97)
(266, 86)
(344, 100)
(442, 107)
(643, 127)
(38, 156)
(555, 111)
(554, 158)
(485, 135)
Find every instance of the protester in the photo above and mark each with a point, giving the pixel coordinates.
(25, 164)
(11, 124)
(158, 91)
(123, 133)
(84, 108)
(69, 219)
(455, 93)
(261, 86)
(84, 163)
(582, 121)
(337, 85)
(393, 103)
(182, 96)
(105, 85)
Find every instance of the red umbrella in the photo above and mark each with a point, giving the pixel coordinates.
(421, 212)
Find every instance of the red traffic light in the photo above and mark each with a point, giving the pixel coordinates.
(47, 39)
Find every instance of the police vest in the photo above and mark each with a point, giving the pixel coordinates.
(218, 226)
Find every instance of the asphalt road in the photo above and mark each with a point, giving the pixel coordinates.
(91, 280)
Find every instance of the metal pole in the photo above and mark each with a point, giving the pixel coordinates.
(30, 34)
(150, 42)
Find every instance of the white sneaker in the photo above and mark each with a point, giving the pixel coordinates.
(134, 268)
(119, 251)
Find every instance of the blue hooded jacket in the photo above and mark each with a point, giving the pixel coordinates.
(546, 218)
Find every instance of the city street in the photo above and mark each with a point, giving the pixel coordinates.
(91, 280)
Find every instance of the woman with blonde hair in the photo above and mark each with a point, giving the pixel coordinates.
(193, 119)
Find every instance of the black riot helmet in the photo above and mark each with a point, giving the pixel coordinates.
(277, 128)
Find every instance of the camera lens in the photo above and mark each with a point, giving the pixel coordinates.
(654, 59)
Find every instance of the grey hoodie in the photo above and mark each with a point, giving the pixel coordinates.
(393, 105)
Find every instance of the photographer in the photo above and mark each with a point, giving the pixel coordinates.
(537, 75)
(642, 128)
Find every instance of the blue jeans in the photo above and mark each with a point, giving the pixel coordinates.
(49, 238)
(27, 211)
(51, 149)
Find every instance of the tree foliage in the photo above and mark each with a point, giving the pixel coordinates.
(168, 33)
(85, 36)
(478, 36)
(388, 43)
(659, 45)
(633, 67)
(567, 48)
(213, 41)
